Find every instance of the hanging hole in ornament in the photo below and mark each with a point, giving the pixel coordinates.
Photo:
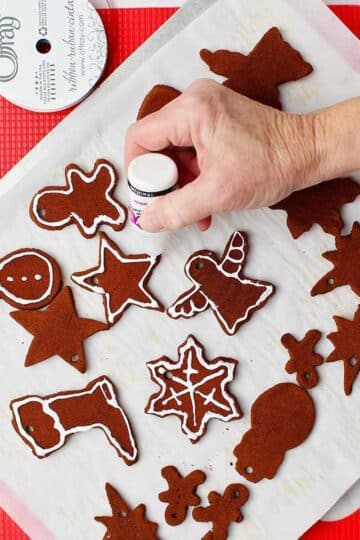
(249, 470)
(199, 265)
(30, 429)
(75, 358)
(122, 514)
(330, 281)
(95, 280)
(42, 212)
(168, 374)
(236, 494)
(353, 362)
(306, 376)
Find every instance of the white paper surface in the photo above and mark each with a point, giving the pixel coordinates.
(66, 490)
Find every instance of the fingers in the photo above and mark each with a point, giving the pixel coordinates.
(204, 224)
(167, 127)
(180, 208)
(172, 125)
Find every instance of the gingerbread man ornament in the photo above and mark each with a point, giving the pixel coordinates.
(222, 286)
(222, 510)
(303, 359)
(181, 493)
(87, 200)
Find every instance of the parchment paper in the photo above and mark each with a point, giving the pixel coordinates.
(66, 490)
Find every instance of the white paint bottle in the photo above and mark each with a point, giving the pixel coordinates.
(149, 176)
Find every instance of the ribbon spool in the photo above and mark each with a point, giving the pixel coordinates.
(52, 54)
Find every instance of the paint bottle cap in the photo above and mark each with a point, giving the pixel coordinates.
(154, 174)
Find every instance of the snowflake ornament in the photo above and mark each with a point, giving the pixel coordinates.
(194, 389)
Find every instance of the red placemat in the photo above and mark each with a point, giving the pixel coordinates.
(20, 130)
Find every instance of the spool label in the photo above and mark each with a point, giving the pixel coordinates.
(52, 54)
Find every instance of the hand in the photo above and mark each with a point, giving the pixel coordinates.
(247, 155)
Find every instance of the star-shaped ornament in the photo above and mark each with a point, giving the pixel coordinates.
(346, 343)
(58, 330)
(319, 204)
(126, 524)
(345, 260)
(194, 389)
(222, 286)
(121, 279)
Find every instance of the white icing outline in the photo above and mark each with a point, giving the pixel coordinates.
(22, 301)
(99, 220)
(45, 403)
(100, 269)
(216, 367)
(268, 289)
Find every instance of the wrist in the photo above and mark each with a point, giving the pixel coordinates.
(298, 152)
(337, 139)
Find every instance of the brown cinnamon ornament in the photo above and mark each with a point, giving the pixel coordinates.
(87, 200)
(346, 343)
(58, 331)
(345, 260)
(194, 389)
(45, 423)
(120, 279)
(159, 96)
(29, 278)
(319, 204)
(181, 493)
(222, 286)
(281, 419)
(126, 524)
(303, 360)
(223, 510)
(257, 75)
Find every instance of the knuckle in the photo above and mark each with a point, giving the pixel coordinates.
(130, 131)
(199, 94)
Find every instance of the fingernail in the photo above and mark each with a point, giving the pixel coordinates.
(150, 222)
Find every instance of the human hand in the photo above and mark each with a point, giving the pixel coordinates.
(247, 155)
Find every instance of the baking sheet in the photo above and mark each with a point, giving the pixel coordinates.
(66, 490)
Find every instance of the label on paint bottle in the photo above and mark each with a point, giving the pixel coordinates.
(150, 176)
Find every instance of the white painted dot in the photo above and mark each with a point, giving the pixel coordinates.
(10, 279)
(38, 277)
(24, 278)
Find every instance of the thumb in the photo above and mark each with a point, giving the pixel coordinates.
(180, 208)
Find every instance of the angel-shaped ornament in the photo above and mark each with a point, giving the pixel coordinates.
(222, 286)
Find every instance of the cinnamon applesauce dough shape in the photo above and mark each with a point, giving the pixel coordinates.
(222, 286)
(120, 279)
